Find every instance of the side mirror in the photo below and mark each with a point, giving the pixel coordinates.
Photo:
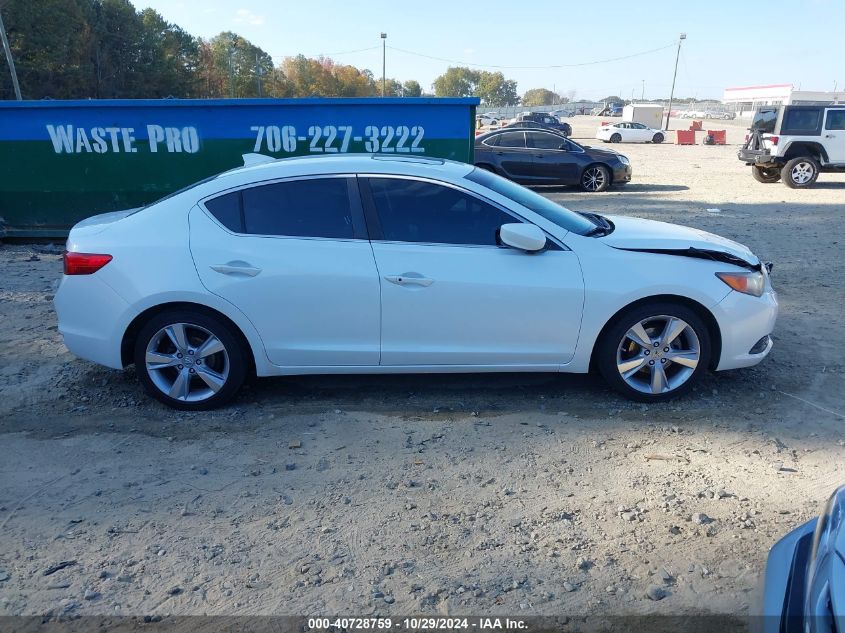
(562, 146)
(525, 237)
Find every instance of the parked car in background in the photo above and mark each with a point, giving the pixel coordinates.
(804, 586)
(487, 119)
(715, 114)
(539, 156)
(629, 132)
(361, 264)
(795, 143)
(544, 119)
(562, 113)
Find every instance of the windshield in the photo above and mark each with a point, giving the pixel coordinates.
(544, 207)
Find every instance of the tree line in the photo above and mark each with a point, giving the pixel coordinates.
(106, 49)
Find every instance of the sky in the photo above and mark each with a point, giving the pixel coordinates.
(728, 44)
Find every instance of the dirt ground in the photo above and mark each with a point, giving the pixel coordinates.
(482, 494)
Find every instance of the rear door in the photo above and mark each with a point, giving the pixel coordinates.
(834, 135)
(294, 257)
(511, 155)
(551, 159)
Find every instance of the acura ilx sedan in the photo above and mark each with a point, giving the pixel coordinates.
(373, 265)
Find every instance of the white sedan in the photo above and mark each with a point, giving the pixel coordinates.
(370, 264)
(629, 132)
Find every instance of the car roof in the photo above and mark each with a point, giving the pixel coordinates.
(387, 164)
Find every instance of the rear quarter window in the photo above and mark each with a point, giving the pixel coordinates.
(803, 122)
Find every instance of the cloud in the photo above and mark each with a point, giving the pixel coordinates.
(245, 16)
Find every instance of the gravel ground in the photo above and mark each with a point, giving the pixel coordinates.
(434, 494)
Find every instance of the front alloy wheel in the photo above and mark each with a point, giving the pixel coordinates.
(658, 352)
(189, 360)
(595, 178)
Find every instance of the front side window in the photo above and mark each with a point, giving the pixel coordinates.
(417, 211)
(540, 205)
(835, 120)
(316, 207)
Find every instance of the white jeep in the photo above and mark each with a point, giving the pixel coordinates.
(795, 143)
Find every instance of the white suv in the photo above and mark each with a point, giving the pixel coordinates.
(795, 144)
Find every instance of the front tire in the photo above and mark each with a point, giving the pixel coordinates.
(800, 172)
(654, 352)
(657, 138)
(190, 360)
(616, 138)
(765, 175)
(595, 178)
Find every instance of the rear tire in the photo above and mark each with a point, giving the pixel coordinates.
(643, 371)
(800, 173)
(616, 138)
(190, 360)
(658, 138)
(764, 174)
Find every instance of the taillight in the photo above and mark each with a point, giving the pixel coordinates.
(84, 263)
(773, 140)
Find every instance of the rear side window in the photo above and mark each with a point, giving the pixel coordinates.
(801, 121)
(317, 207)
(512, 139)
(417, 211)
(835, 120)
(227, 210)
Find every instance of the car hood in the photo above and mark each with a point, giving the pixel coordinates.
(637, 234)
(600, 151)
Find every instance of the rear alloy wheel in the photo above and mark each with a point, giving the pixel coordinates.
(765, 174)
(616, 137)
(655, 352)
(657, 138)
(189, 360)
(800, 172)
(595, 178)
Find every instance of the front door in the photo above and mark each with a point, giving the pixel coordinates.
(551, 159)
(452, 296)
(834, 135)
(293, 256)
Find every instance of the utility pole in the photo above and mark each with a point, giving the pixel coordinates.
(642, 96)
(674, 76)
(258, 72)
(10, 61)
(383, 62)
(231, 77)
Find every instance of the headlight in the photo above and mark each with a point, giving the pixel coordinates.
(624, 160)
(827, 527)
(747, 283)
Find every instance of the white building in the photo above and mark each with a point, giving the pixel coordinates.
(748, 99)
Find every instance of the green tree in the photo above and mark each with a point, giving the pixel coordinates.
(51, 43)
(241, 63)
(540, 96)
(412, 88)
(457, 81)
(169, 59)
(494, 90)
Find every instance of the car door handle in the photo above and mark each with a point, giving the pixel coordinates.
(409, 280)
(830, 135)
(236, 268)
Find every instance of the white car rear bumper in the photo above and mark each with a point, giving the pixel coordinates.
(89, 314)
(744, 322)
